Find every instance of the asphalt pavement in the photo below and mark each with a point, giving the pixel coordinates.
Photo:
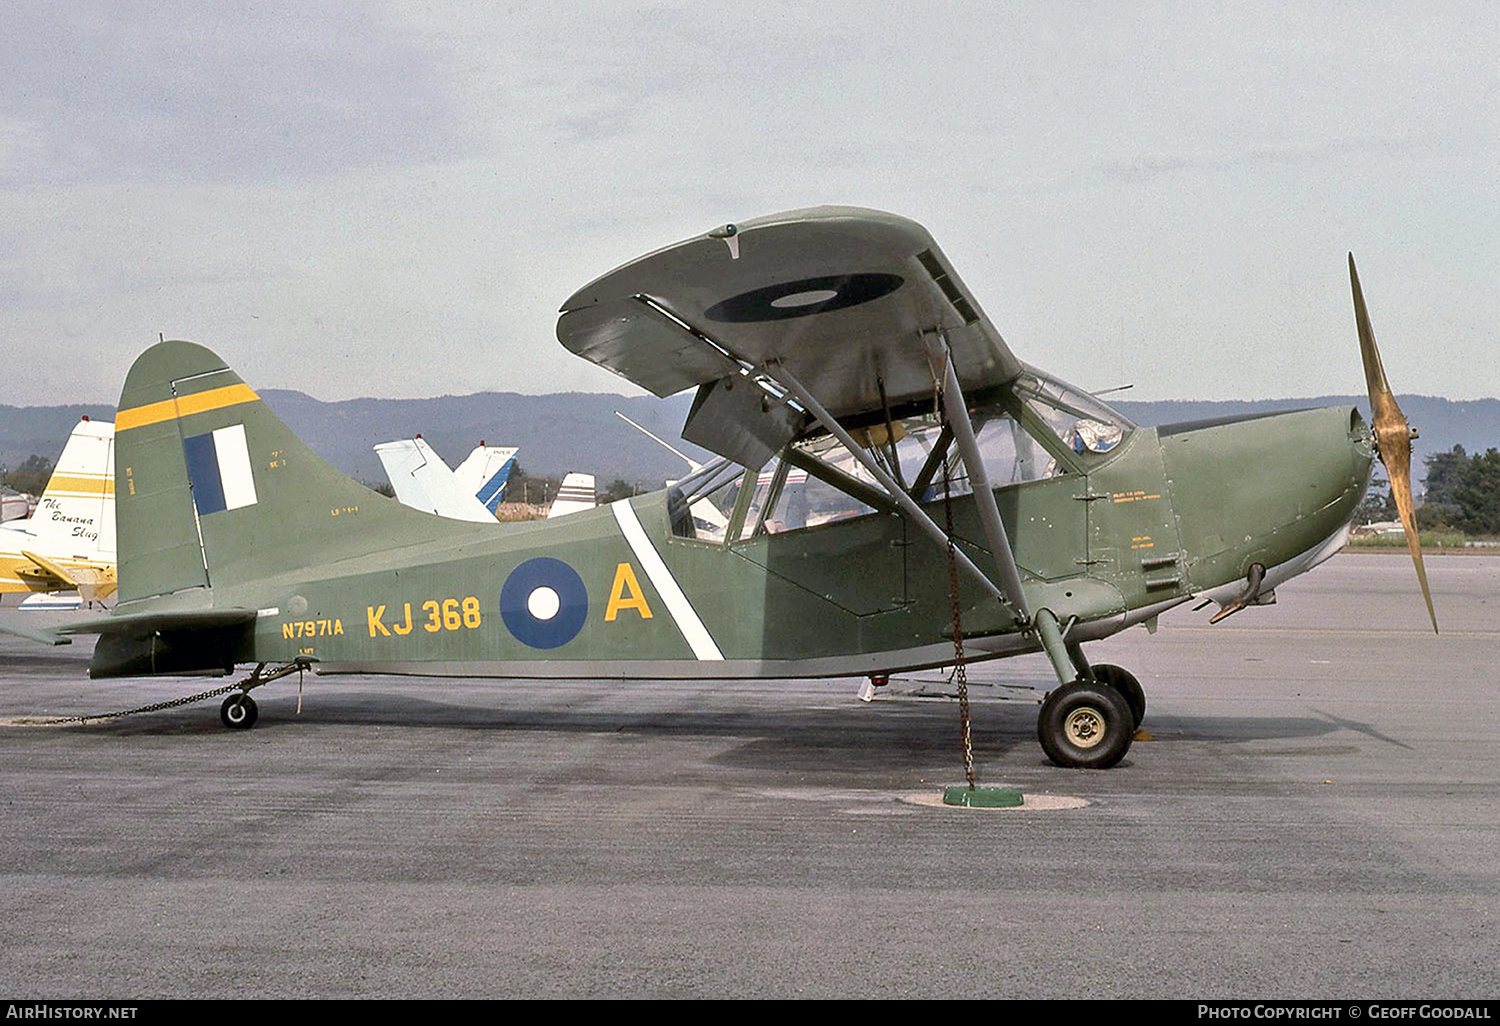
(1315, 815)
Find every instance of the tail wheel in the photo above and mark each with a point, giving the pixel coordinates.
(1123, 681)
(1085, 725)
(239, 712)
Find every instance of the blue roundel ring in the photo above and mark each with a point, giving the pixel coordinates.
(544, 603)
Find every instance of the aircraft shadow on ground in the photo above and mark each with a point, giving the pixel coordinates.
(806, 732)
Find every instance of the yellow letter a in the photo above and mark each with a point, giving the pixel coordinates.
(626, 594)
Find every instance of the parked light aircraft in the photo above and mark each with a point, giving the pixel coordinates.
(486, 471)
(574, 495)
(68, 544)
(13, 505)
(836, 342)
(423, 481)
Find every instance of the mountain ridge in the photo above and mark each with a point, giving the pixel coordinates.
(567, 431)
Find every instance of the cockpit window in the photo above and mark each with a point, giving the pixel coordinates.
(700, 505)
(789, 499)
(1034, 429)
(1089, 428)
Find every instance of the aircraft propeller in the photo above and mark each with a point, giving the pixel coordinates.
(1393, 435)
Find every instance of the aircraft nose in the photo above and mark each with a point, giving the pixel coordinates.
(1265, 488)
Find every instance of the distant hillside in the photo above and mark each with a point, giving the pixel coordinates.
(556, 433)
(579, 431)
(41, 430)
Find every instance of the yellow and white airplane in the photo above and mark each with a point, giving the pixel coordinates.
(69, 542)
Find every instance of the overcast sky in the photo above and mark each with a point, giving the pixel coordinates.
(393, 199)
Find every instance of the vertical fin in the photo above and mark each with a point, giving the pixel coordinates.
(212, 489)
(75, 515)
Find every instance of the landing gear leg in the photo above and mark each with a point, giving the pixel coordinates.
(239, 711)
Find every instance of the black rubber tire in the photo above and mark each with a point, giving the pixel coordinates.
(1123, 681)
(1085, 725)
(238, 712)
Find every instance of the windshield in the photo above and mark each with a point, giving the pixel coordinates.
(1089, 427)
(699, 506)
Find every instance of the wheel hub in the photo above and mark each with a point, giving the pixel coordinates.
(1084, 727)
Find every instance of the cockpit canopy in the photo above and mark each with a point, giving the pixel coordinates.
(1033, 428)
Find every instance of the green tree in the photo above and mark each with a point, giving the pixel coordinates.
(31, 476)
(617, 489)
(1477, 495)
(1377, 504)
(522, 486)
(1444, 471)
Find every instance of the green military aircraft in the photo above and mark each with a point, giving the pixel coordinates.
(892, 478)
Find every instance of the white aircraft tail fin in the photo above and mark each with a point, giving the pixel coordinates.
(575, 495)
(423, 481)
(76, 514)
(486, 471)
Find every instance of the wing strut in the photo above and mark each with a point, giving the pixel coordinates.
(957, 411)
(787, 380)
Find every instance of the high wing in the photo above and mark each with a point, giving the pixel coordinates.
(840, 298)
(93, 581)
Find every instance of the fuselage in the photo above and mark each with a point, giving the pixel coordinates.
(795, 586)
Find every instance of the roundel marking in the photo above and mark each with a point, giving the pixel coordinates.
(544, 603)
(804, 298)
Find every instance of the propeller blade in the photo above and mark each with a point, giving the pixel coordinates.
(1393, 436)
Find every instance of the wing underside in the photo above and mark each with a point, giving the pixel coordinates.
(840, 298)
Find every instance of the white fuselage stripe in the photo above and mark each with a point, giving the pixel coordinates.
(698, 638)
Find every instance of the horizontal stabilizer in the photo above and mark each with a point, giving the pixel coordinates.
(45, 572)
(190, 641)
(162, 620)
(47, 636)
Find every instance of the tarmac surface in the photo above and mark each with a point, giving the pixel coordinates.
(1315, 816)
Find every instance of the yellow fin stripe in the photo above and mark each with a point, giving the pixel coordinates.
(80, 485)
(184, 406)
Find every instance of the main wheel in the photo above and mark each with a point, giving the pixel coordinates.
(1085, 725)
(239, 712)
(1123, 681)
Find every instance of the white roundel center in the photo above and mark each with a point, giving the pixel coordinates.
(543, 603)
